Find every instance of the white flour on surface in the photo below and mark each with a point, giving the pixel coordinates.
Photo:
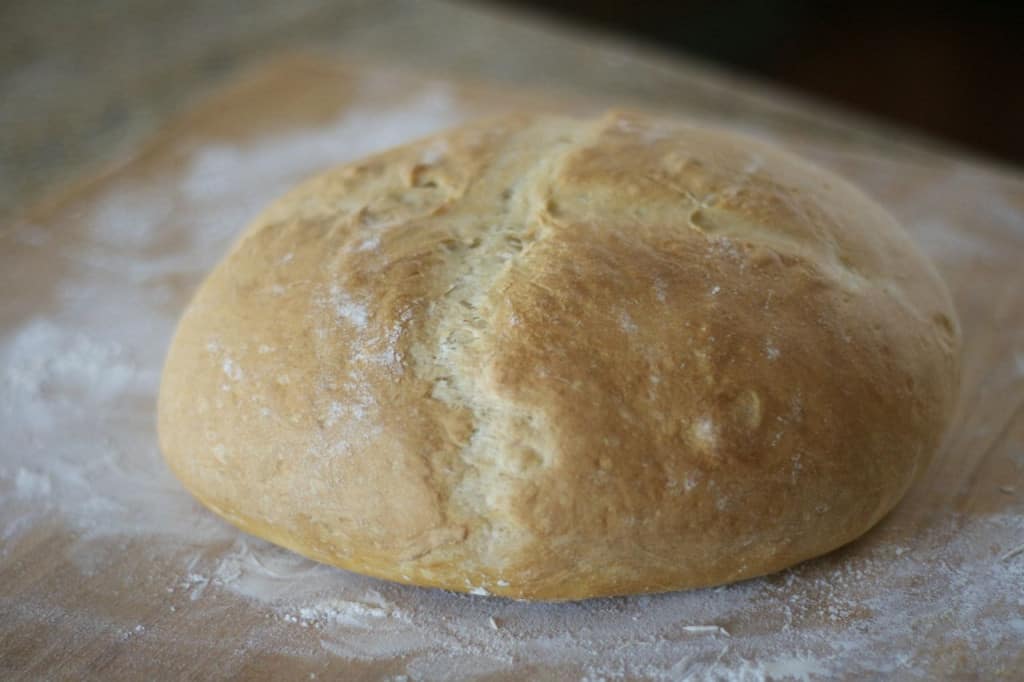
(78, 381)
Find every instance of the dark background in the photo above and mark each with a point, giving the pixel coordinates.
(954, 70)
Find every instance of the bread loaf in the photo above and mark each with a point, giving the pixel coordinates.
(555, 359)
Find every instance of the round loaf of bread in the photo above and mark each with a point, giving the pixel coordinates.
(554, 359)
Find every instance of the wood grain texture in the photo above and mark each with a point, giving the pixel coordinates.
(58, 620)
(87, 82)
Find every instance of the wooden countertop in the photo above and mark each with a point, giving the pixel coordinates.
(83, 83)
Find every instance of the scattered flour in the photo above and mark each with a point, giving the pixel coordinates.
(626, 323)
(29, 485)
(77, 395)
(348, 310)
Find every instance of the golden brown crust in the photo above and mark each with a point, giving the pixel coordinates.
(554, 359)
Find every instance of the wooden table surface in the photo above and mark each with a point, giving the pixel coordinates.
(83, 83)
(109, 570)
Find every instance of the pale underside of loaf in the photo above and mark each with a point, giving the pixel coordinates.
(555, 359)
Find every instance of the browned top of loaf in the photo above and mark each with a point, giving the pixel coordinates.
(553, 358)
